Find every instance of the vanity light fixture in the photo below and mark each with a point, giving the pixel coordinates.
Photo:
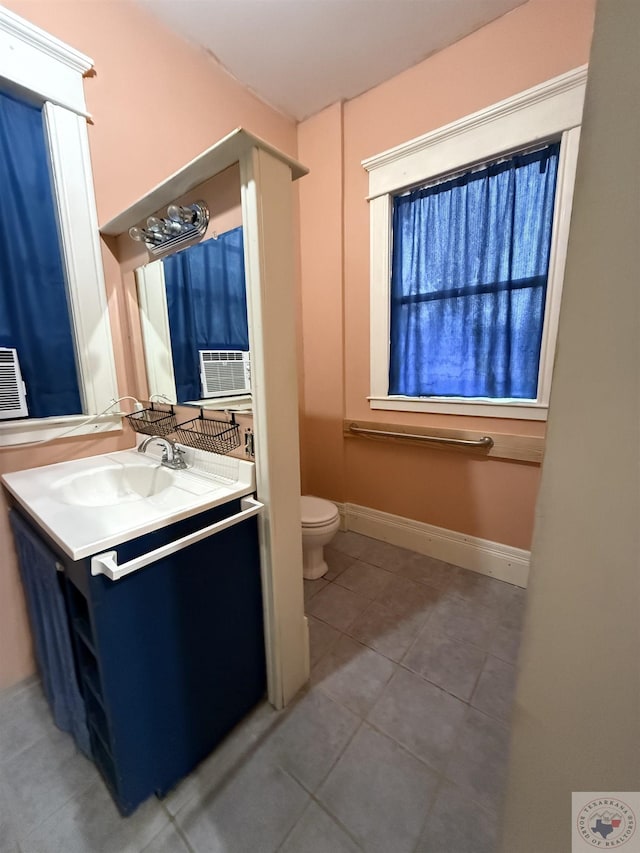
(184, 224)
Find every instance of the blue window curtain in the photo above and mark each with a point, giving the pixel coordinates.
(207, 306)
(34, 315)
(469, 275)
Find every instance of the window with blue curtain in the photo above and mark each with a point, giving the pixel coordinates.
(207, 305)
(469, 276)
(34, 314)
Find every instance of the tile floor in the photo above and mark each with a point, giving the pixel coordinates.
(399, 744)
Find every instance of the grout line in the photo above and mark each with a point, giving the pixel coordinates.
(339, 823)
(478, 680)
(172, 822)
(442, 780)
(313, 793)
(292, 828)
(323, 807)
(365, 717)
(405, 668)
(403, 746)
(401, 664)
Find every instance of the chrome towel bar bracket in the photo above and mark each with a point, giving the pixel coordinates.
(486, 441)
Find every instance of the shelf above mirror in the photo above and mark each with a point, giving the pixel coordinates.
(215, 159)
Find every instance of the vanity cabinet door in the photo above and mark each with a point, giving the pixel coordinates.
(168, 659)
(179, 655)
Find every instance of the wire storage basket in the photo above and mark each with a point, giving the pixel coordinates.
(154, 421)
(208, 434)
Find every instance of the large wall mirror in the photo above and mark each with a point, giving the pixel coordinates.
(193, 317)
(188, 310)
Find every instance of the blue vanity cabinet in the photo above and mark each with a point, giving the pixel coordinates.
(169, 657)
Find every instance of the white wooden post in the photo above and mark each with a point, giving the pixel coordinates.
(269, 269)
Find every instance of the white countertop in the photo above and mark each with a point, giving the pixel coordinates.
(81, 530)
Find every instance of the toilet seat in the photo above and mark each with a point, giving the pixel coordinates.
(317, 512)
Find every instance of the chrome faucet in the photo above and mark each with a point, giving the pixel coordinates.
(172, 455)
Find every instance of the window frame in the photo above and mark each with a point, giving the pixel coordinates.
(43, 70)
(549, 112)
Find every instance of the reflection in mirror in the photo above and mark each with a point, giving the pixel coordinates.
(193, 314)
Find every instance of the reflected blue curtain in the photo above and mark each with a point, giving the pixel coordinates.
(34, 317)
(469, 276)
(207, 306)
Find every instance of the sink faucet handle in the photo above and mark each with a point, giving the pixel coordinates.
(172, 450)
(173, 456)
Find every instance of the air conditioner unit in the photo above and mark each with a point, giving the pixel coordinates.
(13, 393)
(224, 373)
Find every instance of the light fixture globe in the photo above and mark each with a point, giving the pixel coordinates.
(184, 225)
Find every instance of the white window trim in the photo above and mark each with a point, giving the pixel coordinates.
(552, 110)
(48, 72)
(156, 334)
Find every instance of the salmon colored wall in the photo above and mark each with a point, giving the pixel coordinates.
(323, 468)
(156, 100)
(156, 103)
(486, 498)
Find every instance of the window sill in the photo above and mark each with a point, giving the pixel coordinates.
(15, 433)
(457, 406)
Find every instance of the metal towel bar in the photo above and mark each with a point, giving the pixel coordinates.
(485, 441)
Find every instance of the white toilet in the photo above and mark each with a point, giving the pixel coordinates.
(320, 522)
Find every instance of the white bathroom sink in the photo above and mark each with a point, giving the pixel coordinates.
(92, 504)
(113, 484)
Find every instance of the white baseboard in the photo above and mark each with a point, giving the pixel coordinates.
(479, 555)
(343, 514)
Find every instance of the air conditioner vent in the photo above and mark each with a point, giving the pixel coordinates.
(225, 372)
(13, 396)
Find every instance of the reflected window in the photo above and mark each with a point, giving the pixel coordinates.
(193, 310)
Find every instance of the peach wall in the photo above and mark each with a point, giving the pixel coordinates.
(320, 147)
(490, 499)
(156, 102)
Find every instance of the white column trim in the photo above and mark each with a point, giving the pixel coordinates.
(563, 206)
(268, 223)
(380, 211)
(40, 64)
(68, 143)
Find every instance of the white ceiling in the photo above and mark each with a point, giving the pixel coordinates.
(302, 55)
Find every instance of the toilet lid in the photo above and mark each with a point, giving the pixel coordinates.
(316, 511)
